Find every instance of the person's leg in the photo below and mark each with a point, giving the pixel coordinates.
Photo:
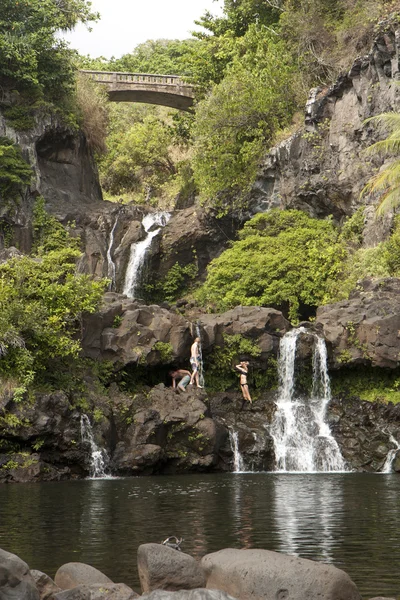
(246, 393)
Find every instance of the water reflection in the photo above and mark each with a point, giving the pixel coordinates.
(349, 520)
(307, 513)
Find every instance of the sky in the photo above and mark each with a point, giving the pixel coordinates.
(126, 23)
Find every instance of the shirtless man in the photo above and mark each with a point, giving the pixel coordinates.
(243, 368)
(195, 362)
(182, 376)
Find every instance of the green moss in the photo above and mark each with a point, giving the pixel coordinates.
(165, 350)
(15, 172)
(367, 383)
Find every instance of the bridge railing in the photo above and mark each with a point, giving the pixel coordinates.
(117, 77)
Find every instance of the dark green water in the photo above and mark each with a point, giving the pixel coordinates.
(349, 520)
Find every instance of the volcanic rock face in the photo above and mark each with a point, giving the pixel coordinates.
(322, 169)
(366, 328)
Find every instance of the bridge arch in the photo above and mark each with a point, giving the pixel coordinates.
(164, 90)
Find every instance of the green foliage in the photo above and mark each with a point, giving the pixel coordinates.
(41, 304)
(219, 366)
(372, 385)
(386, 184)
(283, 259)
(240, 117)
(15, 172)
(139, 159)
(48, 233)
(165, 351)
(353, 227)
(177, 280)
(33, 58)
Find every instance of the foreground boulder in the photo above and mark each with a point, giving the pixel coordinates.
(45, 585)
(198, 594)
(265, 575)
(103, 591)
(16, 580)
(161, 567)
(73, 574)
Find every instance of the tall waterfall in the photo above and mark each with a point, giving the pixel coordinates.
(152, 224)
(238, 462)
(302, 439)
(110, 261)
(98, 458)
(387, 467)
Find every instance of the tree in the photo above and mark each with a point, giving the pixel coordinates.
(386, 184)
(237, 121)
(33, 59)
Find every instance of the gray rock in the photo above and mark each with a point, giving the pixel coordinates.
(73, 574)
(365, 329)
(163, 568)
(104, 591)
(16, 581)
(265, 575)
(197, 594)
(45, 585)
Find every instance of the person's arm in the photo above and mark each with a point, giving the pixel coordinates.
(173, 383)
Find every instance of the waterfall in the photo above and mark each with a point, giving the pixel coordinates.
(201, 369)
(302, 439)
(387, 467)
(98, 458)
(110, 262)
(238, 462)
(152, 224)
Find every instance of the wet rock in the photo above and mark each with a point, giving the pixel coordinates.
(198, 594)
(45, 585)
(103, 591)
(74, 574)
(164, 568)
(16, 580)
(260, 574)
(169, 433)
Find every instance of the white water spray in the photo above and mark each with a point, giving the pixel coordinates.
(302, 439)
(98, 458)
(238, 462)
(387, 467)
(152, 224)
(110, 261)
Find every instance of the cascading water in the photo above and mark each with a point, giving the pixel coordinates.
(387, 467)
(110, 261)
(152, 224)
(98, 458)
(238, 462)
(201, 368)
(302, 439)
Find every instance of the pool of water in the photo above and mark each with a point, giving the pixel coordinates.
(348, 520)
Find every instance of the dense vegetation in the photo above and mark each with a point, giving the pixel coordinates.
(42, 300)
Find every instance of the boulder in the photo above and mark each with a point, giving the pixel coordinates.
(45, 585)
(74, 574)
(103, 591)
(161, 567)
(197, 594)
(266, 575)
(16, 581)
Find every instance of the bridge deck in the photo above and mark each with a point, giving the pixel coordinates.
(165, 90)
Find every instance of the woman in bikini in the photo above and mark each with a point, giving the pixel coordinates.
(243, 368)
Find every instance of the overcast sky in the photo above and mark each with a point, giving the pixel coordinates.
(126, 23)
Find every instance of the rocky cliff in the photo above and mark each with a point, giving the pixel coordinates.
(143, 425)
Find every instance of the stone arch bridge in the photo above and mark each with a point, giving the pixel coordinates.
(165, 90)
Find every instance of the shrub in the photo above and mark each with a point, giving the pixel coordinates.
(284, 259)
